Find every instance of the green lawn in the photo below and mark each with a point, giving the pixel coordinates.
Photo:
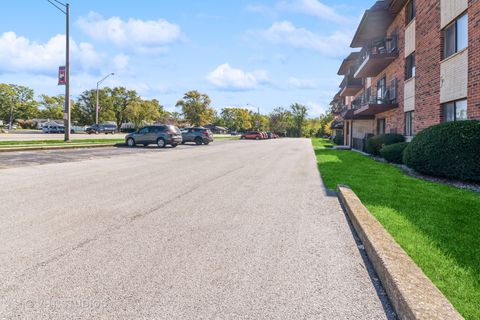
(437, 225)
(58, 142)
(225, 137)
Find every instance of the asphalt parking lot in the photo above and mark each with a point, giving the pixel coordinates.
(233, 230)
(32, 158)
(37, 135)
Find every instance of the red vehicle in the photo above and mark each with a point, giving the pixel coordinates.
(252, 135)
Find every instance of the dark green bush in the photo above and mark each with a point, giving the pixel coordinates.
(394, 152)
(338, 140)
(376, 143)
(449, 150)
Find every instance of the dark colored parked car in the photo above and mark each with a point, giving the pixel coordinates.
(199, 135)
(161, 135)
(252, 135)
(102, 128)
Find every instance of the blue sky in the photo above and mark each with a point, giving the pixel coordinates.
(257, 53)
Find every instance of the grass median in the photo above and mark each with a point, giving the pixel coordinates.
(437, 225)
(47, 143)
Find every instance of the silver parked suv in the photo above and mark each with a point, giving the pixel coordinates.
(199, 135)
(161, 135)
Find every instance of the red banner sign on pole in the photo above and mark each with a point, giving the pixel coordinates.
(62, 77)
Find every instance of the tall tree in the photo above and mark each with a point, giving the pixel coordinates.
(140, 112)
(196, 108)
(52, 107)
(280, 120)
(17, 102)
(87, 104)
(237, 119)
(299, 116)
(7, 102)
(121, 99)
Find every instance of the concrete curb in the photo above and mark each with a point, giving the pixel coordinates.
(60, 147)
(411, 293)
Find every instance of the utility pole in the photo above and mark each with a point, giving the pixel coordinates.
(66, 111)
(67, 114)
(98, 107)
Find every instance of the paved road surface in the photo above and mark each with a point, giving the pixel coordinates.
(32, 135)
(31, 158)
(239, 230)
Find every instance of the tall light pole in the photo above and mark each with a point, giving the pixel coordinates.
(66, 115)
(98, 107)
(257, 123)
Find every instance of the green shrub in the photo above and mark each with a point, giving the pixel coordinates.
(376, 143)
(394, 152)
(449, 150)
(338, 140)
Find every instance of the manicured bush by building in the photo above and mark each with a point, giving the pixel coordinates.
(394, 152)
(449, 150)
(338, 140)
(376, 143)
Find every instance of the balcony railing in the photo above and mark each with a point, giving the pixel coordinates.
(350, 86)
(370, 105)
(377, 56)
(339, 109)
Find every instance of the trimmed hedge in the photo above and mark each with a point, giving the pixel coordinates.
(449, 150)
(338, 140)
(376, 143)
(394, 152)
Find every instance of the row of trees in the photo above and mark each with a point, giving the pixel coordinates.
(121, 105)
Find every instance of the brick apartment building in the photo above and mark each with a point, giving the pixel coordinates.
(416, 64)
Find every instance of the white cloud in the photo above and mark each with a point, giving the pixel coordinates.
(262, 9)
(120, 62)
(21, 54)
(227, 78)
(302, 83)
(312, 7)
(133, 33)
(286, 33)
(315, 109)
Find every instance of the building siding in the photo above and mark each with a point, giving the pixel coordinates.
(450, 9)
(409, 94)
(454, 77)
(474, 60)
(410, 33)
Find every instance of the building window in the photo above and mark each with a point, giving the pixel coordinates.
(409, 123)
(455, 36)
(380, 126)
(410, 66)
(393, 90)
(455, 111)
(410, 11)
(393, 42)
(381, 90)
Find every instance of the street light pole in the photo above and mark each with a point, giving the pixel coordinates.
(66, 112)
(257, 123)
(98, 107)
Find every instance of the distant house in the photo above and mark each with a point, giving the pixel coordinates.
(216, 129)
(337, 128)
